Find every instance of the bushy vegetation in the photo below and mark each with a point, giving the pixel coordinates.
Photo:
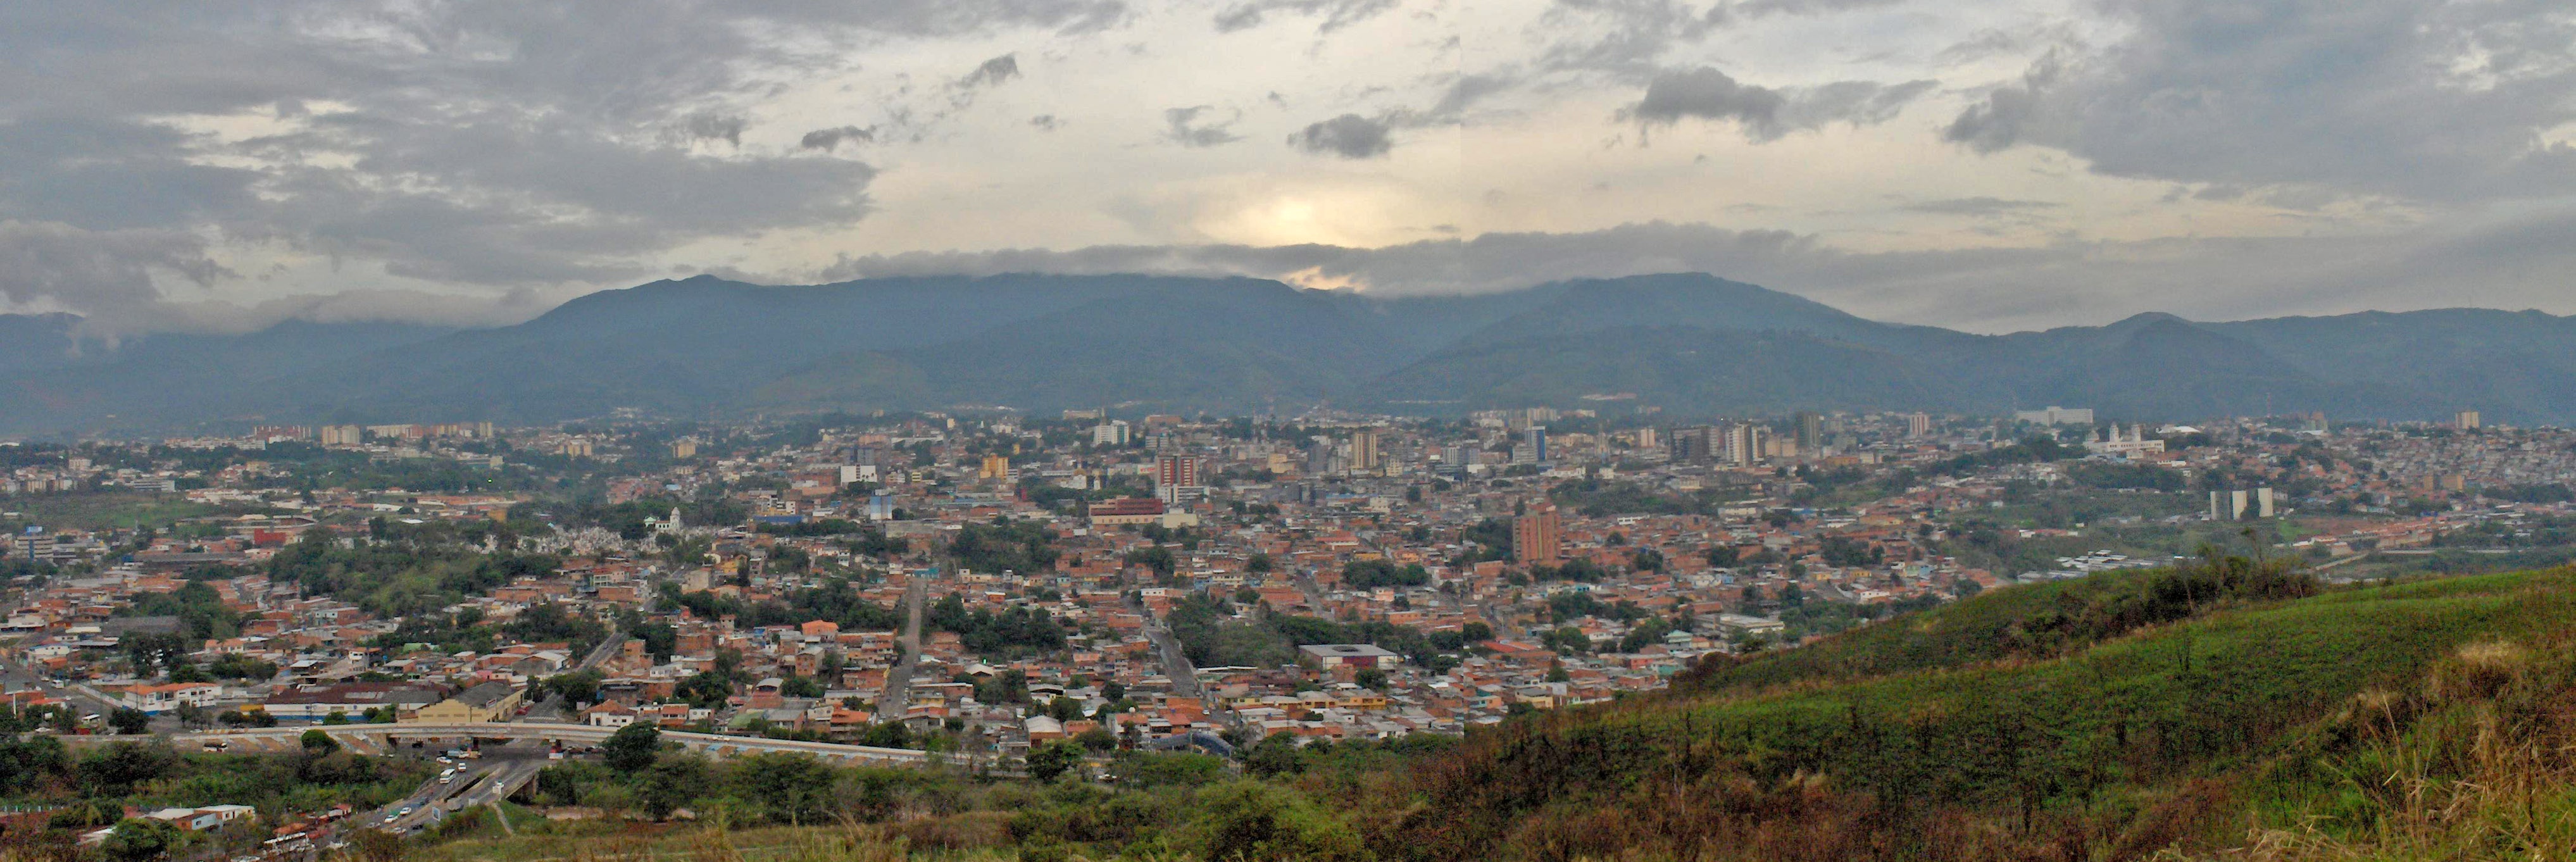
(396, 578)
(152, 775)
(2199, 709)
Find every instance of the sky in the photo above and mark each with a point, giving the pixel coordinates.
(1992, 166)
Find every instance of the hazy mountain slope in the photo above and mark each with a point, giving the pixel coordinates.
(37, 341)
(1689, 370)
(1683, 299)
(1691, 343)
(175, 379)
(1234, 344)
(2514, 366)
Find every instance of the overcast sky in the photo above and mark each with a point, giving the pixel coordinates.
(1990, 166)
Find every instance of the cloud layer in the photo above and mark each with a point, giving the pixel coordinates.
(2020, 163)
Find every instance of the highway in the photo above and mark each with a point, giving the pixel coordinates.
(373, 739)
(501, 772)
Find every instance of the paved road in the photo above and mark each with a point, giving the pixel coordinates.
(552, 708)
(370, 739)
(897, 698)
(21, 679)
(1176, 664)
(501, 770)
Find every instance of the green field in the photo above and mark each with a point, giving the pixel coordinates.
(106, 510)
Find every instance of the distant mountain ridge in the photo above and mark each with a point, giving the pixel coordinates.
(1691, 343)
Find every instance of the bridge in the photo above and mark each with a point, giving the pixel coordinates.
(373, 739)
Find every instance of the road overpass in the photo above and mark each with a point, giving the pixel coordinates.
(372, 739)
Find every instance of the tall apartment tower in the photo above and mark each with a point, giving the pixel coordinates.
(2467, 420)
(1176, 478)
(1741, 444)
(1535, 538)
(1811, 432)
(1693, 445)
(2233, 505)
(1918, 425)
(1364, 451)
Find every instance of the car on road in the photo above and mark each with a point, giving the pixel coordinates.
(406, 810)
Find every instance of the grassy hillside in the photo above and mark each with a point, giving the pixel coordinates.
(2064, 721)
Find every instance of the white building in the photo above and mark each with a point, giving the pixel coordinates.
(2056, 415)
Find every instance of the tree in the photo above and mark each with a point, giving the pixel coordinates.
(1273, 757)
(673, 781)
(576, 687)
(633, 747)
(1054, 759)
(140, 840)
(1370, 678)
(1252, 820)
(319, 743)
(129, 721)
(791, 788)
(890, 734)
(1097, 739)
(800, 685)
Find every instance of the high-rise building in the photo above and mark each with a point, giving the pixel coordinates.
(1811, 432)
(1534, 444)
(1742, 444)
(1364, 451)
(1646, 438)
(1176, 478)
(1918, 425)
(2233, 505)
(1111, 433)
(2467, 420)
(1694, 445)
(1535, 538)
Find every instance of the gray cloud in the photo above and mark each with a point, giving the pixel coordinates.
(1980, 207)
(1348, 136)
(1638, 34)
(1045, 122)
(991, 72)
(709, 126)
(2433, 101)
(829, 140)
(1337, 14)
(1184, 128)
(50, 263)
(489, 144)
(1766, 114)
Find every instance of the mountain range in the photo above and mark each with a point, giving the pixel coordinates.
(1692, 344)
